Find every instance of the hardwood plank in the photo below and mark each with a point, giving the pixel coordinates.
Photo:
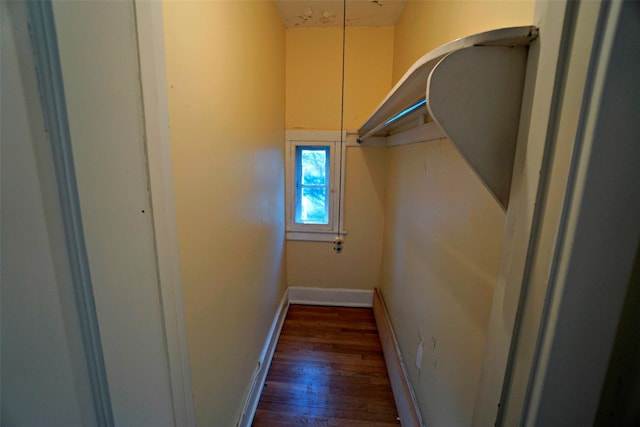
(328, 369)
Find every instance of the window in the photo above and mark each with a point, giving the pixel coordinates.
(312, 189)
(313, 185)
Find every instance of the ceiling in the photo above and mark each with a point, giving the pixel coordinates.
(328, 13)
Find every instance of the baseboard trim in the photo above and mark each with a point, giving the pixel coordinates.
(408, 410)
(331, 297)
(264, 362)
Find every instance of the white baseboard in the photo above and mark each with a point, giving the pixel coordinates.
(331, 297)
(264, 362)
(406, 404)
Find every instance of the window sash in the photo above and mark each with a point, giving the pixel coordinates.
(300, 186)
(314, 139)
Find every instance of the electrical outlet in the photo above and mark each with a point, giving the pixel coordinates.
(337, 244)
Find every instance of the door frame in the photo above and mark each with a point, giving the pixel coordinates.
(150, 33)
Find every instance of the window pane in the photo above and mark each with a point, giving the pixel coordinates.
(313, 207)
(313, 163)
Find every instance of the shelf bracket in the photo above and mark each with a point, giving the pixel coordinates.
(475, 95)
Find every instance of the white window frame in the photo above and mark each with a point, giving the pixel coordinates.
(337, 151)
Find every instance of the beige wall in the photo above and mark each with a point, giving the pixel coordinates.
(424, 25)
(226, 74)
(314, 57)
(442, 240)
(443, 230)
(358, 266)
(314, 69)
(230, 244)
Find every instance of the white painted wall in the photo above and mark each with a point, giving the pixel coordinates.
(572, 227)
(153, 72)
(531, 161)
(44, 377)
(555, 110)
(599, 230)
(101, 73)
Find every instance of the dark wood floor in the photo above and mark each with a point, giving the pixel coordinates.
(327, 370)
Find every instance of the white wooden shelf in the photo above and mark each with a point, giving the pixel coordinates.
(473, 90)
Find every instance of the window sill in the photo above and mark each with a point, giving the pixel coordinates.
(313, 236)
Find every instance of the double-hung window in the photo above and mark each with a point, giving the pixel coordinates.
(312, 190)
(313, 186)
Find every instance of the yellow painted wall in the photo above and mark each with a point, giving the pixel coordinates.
(314, 57)
(442, 241)
(426, 24)
(443, 230)
(358, 266)
(314, 69)
(226, 78)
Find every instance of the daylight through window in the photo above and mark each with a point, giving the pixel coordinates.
(313, 185)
